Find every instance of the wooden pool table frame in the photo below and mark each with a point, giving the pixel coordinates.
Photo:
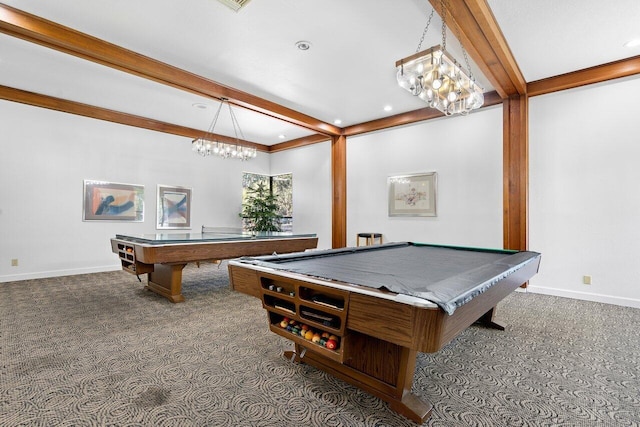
(380, 337)
(164, 262)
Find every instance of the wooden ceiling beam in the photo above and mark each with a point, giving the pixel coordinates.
(72, 107)
(299, 142)
(587, 76)
(490, 99)
(34, 29)
(473, 23)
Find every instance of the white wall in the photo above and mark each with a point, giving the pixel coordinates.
(311, 169)
(45, 157)
(583, 202)
(584, 146)
(466, 153)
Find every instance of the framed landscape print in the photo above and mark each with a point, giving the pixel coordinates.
(174, 207)
(412, 195)
(112, 201)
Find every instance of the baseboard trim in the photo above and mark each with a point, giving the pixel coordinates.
(586, 296)
(58, 273)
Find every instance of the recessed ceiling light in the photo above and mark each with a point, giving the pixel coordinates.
(388, 108)
(632, 43)
(337, 122)
(282, 136)
(200, 105)
(303, 45)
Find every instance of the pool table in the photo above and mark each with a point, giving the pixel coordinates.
(380, 305)
(163, 256)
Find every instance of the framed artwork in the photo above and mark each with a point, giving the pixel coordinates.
(412, 195)
(112, 201)
(174, 207)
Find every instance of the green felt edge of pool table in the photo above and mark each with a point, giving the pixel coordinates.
(492, 250)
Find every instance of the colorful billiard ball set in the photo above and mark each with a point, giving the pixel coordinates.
(324, 339)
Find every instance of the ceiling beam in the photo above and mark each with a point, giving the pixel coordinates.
(490, 98)
(299, 142)
(472, 20)
(473, 23)
(34, 29)
(72, 107)
(586, 76)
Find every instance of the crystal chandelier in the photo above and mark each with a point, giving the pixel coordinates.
(209, 144)
(438, 79)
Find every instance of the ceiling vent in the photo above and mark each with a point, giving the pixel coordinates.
(236, 5)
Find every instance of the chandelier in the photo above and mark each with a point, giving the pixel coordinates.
(434, 76)
(210, 144)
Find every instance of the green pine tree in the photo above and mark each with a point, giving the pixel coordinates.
(260, 209)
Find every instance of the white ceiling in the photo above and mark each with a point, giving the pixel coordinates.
(553, 37)
(347, 74)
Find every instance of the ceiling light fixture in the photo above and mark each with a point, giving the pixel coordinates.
(437, 78)
(632, 43)
(303, 45)
(209, 144)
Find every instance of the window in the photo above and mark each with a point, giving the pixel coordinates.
(281, 186)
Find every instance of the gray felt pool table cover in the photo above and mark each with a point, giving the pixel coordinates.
(447, 276)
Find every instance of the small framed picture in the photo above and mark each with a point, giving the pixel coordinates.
(112, 201)
(412, 195)
(174, 207)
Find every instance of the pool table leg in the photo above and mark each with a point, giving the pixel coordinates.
(488, 320)
(166, 280)
(390, 378)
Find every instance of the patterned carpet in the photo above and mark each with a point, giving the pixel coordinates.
(99, 350)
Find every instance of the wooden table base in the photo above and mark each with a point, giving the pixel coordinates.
(370, 378)
(166, 280)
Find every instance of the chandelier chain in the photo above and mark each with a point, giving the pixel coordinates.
(212, 126)
(424, 33)
(234, 122)
(444, 38)
(211, 145)
(466, 58)
(444, 25)
(464, 51)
